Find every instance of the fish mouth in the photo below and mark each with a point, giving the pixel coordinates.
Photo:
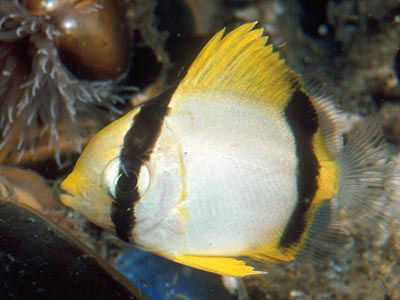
(65, 193)
(66, 197)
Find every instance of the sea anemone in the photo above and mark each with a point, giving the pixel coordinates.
(57, 58)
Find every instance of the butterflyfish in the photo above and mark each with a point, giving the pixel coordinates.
(235, 167)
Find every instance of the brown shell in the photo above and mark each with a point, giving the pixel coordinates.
(42, 7)
(93, 39)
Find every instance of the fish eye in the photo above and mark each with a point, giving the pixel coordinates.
(110, 176)
(131, 180)
(121, 179)
(127, 181)
(144, 179)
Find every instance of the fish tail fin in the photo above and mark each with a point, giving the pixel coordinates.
(363, 164)
(363, 172)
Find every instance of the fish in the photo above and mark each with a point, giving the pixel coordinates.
(234, 168)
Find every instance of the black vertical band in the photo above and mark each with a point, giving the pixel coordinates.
(137, 147)
(303, 121)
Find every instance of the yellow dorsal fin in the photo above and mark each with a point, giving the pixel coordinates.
(221, 265)
(242, 64)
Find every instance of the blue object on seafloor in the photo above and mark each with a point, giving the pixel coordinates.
(162, 279)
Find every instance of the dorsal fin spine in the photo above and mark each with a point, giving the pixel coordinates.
(240, 64)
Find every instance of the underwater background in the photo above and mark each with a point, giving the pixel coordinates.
(61, 83)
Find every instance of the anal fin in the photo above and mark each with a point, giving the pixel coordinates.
(229, 266)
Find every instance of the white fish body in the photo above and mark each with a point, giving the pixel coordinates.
(202, 173)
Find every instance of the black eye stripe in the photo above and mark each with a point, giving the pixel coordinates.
(138, 145)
